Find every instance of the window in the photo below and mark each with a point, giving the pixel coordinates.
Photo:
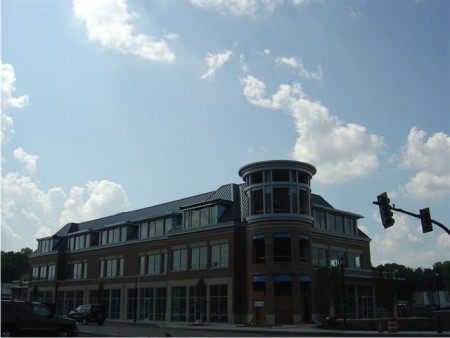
(303, 244)
(200, 217)
(319, 256)
(304, 202)
(35, 272)
(198, 258)
(123, 234)
(258, 249)
(257, 202)
(350, 226)
(51, 272)
(142, 265)
(339, 224)
(154, 264)
(335, 256)
(104, 237)
(219, 255)
(218, 310)
(302, 178)
(256, 177)
(159, 227)
(281, 200)
(354, 260)
(281, 247)
(320, 220)
(111, 267)
(179, 260)
(178, 303)
(144, 230)
(43, 272)
(280, 175)
(79, 270)
(160, 303)
(197, 304)
(259, 285)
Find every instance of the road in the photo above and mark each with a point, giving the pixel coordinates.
(141, 330)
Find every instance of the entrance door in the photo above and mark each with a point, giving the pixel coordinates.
(283, 310)
(283, 300)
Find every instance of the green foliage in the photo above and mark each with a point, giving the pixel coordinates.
(15, 265)
(327, 290)
(409, 281)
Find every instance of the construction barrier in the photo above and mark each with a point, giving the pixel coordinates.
(392, 324)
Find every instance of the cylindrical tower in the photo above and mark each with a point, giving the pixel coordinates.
(278, 216)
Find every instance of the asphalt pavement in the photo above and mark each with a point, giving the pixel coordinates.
(173, 329)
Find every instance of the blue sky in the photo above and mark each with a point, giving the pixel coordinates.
(115, 105)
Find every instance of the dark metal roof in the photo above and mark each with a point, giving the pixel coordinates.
(318, 200)
(224, 193)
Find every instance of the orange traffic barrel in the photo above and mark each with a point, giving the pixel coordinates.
(392, 324)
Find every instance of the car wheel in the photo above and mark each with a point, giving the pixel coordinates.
(7, 332)
(100, 323)
(63, 332)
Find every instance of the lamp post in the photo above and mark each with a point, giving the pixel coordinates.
(342, 263)
(438, 303)
(397, 313)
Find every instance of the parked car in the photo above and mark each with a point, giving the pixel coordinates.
(87, 313)
(21, 318)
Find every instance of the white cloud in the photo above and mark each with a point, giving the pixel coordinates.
(97, 199)
(431, 158)
(28, 160)
(109, 22)
(8, 100)
(300, 69)
(250, 8)
(340, 151)
(404, 243)
(28, 213)
(215, 61)
(353, 12)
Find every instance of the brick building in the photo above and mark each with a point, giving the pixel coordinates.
(268, 250)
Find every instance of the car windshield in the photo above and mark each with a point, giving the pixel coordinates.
(79, 308)
(41, 310)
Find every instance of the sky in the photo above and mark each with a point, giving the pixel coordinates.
(113, 105)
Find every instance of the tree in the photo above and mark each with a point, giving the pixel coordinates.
(15, 265)
(327, 290)
(200, 291)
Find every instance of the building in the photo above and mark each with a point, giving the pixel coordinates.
(268, 250)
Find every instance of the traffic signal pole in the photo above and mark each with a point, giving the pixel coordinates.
(442, 226)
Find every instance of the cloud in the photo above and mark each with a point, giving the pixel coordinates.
(353, 12)
(28, 213)
(404, 243)
(249, 8)
(215, 61)
(8, 100)
(97, 199)
(431, 159)
(28, 160)
(299, 68)
(340, 151)
(109, 22)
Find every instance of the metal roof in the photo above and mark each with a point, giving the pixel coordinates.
(225, 193)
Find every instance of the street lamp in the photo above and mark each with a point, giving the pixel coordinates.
(342, 263)
(396, 292)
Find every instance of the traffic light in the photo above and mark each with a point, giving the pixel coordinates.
(385, 210)
(425, 217)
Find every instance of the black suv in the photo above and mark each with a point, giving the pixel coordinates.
(20, 318)
(88, 313)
